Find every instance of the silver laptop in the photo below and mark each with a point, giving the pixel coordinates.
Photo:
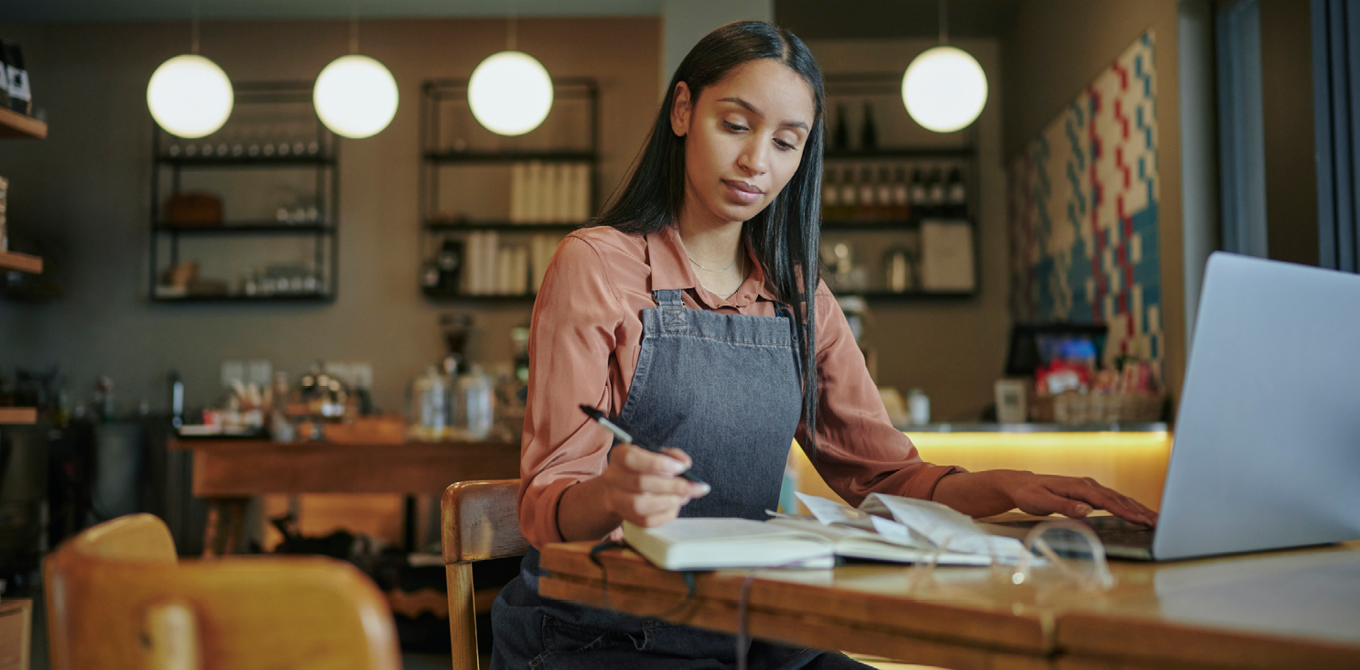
(1267, 439)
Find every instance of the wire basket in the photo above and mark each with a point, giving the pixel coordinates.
(1078, 408)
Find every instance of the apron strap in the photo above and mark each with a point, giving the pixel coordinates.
(668, 298)
(673, 311)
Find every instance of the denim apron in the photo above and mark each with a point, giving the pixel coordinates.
(725, 389)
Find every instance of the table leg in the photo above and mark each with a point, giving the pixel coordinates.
(410, 522)
(236, 513)
(211, 532)
(222, 534)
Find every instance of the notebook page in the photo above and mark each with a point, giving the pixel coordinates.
(940, 525)
(713, 529)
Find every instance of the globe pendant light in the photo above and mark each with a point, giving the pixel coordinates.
(189, 96)
(355, 96)
(510, 92)
(944, 88)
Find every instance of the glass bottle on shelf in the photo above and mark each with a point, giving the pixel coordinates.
(868, 132)
(849, 194)
(956, 192)
(234, 137)
(937, 198)
(840, 139)
(251, 138)
(901, 195)
(867, 210)
(883, 194)
(831, 197)
(297, 135)
(920, 194)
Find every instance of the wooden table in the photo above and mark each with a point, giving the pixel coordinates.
(1294, 609)
(227, 472)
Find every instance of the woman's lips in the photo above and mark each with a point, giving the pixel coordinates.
(742, 192)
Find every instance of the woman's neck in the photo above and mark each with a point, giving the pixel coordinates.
(711, 243)
(715, 249)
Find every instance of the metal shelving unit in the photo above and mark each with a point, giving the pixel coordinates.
(442, 99)
(957, 151)
(321, 155)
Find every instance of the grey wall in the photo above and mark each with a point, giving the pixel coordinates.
(687, 21)
(1053, 49)
(87, 187)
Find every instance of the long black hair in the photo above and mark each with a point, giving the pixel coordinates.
(785, 236)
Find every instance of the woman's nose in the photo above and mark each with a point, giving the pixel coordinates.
(755, 157)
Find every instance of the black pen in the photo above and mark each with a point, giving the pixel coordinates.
(625, 436)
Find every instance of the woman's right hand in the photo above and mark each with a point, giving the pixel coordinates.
(644, 487)
(636, 485)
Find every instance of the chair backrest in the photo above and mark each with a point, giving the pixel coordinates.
(479, 520)
(117, 597)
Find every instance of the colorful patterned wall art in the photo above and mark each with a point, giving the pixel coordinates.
(1084, 210)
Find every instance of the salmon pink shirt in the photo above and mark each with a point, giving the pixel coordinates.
(585, 340)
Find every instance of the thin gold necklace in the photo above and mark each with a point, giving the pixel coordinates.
(701, 267)
(733, 291)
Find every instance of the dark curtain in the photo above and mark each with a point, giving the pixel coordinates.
(1336, 91)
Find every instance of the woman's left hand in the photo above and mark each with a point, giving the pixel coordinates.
(1075, 497)
(989, 492)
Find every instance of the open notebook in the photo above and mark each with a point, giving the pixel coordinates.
(884, 528)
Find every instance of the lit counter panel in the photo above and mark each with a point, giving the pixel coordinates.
(1132, 462)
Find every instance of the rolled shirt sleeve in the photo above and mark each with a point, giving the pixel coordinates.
(858, 451)
(577, 315)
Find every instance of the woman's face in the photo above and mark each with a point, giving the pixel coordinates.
(744, 139)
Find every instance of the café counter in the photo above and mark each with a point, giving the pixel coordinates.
(1128, 457)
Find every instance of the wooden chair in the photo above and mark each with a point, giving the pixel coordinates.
(479, 521)
(118, 597)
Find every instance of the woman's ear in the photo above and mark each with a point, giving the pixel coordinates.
(681, 109)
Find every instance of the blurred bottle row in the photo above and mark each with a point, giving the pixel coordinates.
(267, 140)
(882, 192)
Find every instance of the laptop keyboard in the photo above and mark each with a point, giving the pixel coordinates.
(1114, 531)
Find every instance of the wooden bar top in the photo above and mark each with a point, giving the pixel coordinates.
(233, 468)
(229, 443)
(1297, 608)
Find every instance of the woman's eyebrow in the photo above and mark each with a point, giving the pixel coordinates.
(753, 110)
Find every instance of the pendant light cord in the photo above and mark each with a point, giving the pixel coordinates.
(354, 27)
(193, 31)
(512, 33)
(944, 21)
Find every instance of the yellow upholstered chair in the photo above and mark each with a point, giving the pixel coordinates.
(478, 521)
(118, 597)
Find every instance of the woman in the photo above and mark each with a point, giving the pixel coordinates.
(683, 311)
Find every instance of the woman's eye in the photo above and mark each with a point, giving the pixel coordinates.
(733, 127)
(784, 146)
